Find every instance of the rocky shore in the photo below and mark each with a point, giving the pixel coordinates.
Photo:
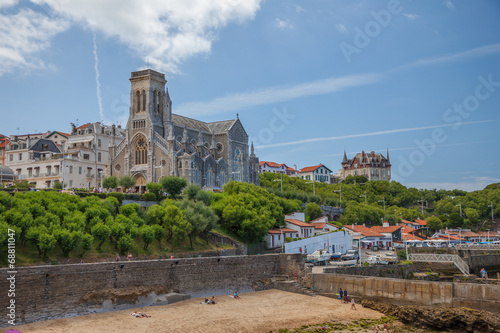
(440, 318)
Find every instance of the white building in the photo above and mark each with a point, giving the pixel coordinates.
(276, 237)
(78, 161)
(317, 173)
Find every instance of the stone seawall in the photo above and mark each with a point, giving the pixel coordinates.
(392, 271)
(411, 292)
(49, 292)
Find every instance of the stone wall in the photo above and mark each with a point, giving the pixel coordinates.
(392, 271)
(214, 238)
(411, 292)
(490, 262)
(48, 292)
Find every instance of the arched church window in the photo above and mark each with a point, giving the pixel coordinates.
(137, 101)
(154, 100)
(222, 177)
(144, 100)
(160, 103)
(238, 165)
(210, 177)
(141, 150)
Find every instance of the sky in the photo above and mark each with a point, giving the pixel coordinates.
(308, 79)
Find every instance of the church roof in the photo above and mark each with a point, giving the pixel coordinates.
(190, 123)
(219, 127)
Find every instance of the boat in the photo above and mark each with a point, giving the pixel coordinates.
(390, 258)
(344, 263)
(374, 260)
(320, 256)
(335, 255)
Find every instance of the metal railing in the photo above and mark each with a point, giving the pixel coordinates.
(478, 247)
(451, 258)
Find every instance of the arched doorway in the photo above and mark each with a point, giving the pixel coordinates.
(140, 183)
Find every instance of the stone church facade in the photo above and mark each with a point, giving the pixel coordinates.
(159, 143)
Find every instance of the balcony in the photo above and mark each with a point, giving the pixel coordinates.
(90, 175)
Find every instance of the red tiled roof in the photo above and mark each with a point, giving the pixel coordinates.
(290, 169)
(485, 233)
(364, 230)
(312, 221)
(298, 223)
(278, 231)
(83, 126)
(469, 234)
(311, 168)
(318, 225)
(271, 164)
(421, 222)
(390, 229)
(413, 237)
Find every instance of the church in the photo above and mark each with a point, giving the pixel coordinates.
(159, 143)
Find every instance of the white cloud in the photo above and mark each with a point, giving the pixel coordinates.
(298, 9)
(411, 16)
(8, 3)
(98, 83)
(235, 102)
(22, 36)
(340, 27)
(283, 24)
(164, 32)
(479, 51)
(449, 4)
(350, 136)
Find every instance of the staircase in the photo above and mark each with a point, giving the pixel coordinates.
(451, 258)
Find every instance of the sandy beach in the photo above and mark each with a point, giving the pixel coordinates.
(254, 312)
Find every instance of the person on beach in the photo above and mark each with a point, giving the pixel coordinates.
(235, 295)
(353, 305)
(341, 295)
(385, 328)
(345, 296)
(129, 256)
(212, 300)
(376, 329)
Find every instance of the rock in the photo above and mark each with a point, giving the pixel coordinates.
(440, 318)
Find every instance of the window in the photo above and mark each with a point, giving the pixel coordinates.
(70, 170)
(143, 100)
(137, 101)
(11, 157)
(210, 177)
(79, 170)
(238, 165)
(45, 146)
(86, 156)
(20, 157)
(99, 143)
(70, 183)
(99, 157)
(141, 153)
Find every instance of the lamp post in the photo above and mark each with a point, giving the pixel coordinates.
(491, 205)
(488, 236)
(282, 239)
(364, 195)
(340, 191)
(422, 201)
(460, 205)
(281, 181)
(460, 235)
(383, 200)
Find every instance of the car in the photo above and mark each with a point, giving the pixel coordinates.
(351, 254)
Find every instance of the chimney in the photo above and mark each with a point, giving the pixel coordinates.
(385, 224)
(295, 166)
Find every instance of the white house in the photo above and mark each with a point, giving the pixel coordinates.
(304, 229)
(276, 237)
(317, 173)
(339, 241)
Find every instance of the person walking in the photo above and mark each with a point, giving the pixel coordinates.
(353, 304)
(345, 296)
(341, 295)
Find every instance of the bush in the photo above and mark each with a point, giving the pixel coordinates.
(132, 196)
(118, 195)
(149, 197)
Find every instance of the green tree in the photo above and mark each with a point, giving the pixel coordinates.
(472, 217)
(101, 232)
(86, 243)
(147, 235)
(434, 223)
(313, 211)
(155, 188)
(202, 219)
(159, 233)
(127, 182)
(203, 196)
(191, 191)
(46, 243)
(173, 185)
(173, 218)
(67, 240)
(110, 182)
(125, 243)
(57, 186)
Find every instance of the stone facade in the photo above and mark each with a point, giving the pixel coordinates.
(159, 143)
(373, 166)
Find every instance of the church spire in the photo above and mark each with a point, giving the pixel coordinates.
(344, 160)
(388, 160)
(252, 151)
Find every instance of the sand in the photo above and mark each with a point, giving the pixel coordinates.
(254, 312)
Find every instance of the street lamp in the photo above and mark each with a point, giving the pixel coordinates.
(460, 205)
(364, 195)
(340, 191)
(488, 236)
(422, 201)
(491, 205)
(281, 181)
(383, 200)
(460, 235)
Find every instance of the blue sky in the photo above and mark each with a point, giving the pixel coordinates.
(307, 78)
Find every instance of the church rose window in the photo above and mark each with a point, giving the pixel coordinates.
(118, 167)
(141, 151)
(220, 147)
